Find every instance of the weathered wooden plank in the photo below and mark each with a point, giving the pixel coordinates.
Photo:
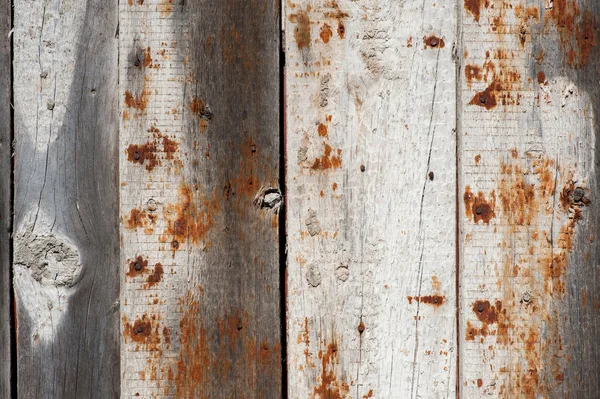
(199, 187)
(529, 100)
(6, 350)
(66, 228)
(371, 181)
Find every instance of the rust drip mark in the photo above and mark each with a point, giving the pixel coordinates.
(194, 362)
(325, 33)
(475, 6)
(368, 395)
(302, 30)
(329, 385)
(187, 221)
(156, 276)
(477, 207)
(137, 266)
(140, 219)
(435, 300)
(138, 2)
(328, 160)
(576, 30)
(433, 42)
(220, 349)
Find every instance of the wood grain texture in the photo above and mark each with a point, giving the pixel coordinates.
(199, 190)
(5, 202)
(529, 213)
(370, 110)
(66, 199)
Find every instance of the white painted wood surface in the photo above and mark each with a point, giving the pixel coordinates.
(371, 180)
(528, 182)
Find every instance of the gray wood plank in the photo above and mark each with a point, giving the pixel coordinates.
(6, 351)
(529, 185)
(66, 251)
(199, 179)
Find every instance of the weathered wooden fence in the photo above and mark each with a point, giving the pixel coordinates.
(317, 199)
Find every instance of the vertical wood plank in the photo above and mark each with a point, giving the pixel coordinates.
(199, 193)
(66, 228)
(5, 202)
(371, 181)
(529, 213)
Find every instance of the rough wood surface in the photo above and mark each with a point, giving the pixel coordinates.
(529, 211)
(5, 202)
(199, 148)
(370, 110)
(66, 228)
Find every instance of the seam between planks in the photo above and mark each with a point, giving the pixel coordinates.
(12, 310)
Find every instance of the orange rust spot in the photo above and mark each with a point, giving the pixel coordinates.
(302, 30)
(156, 276)
(138, 219)
(541, 77)
(322, 130)
(137, 266)
(137, 101)
(139, 153)
(329, 386)
(368, 395)
(433, 42)
(475, 6)
(479, 383)
(514, 153)
(435, 300)
(334, 186)
(144, 330)
(477, 159)
(186, 220)
(147, 57)
(486, 98)
(473, 72)
(436, 283)
(477, 207)
(489, 315)
(325, 33)
(327, 160)
(165, 7)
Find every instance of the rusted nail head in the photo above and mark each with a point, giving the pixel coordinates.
(175, 244)
(479, 210)
(239, 326)
(362, 168)
(482, 99)
(137, 63)
(433, 41)
(136, 155)
(138, 330)
(151, 204)
(253, 148)
(431, 176)
(480, 308)
(137, 266)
